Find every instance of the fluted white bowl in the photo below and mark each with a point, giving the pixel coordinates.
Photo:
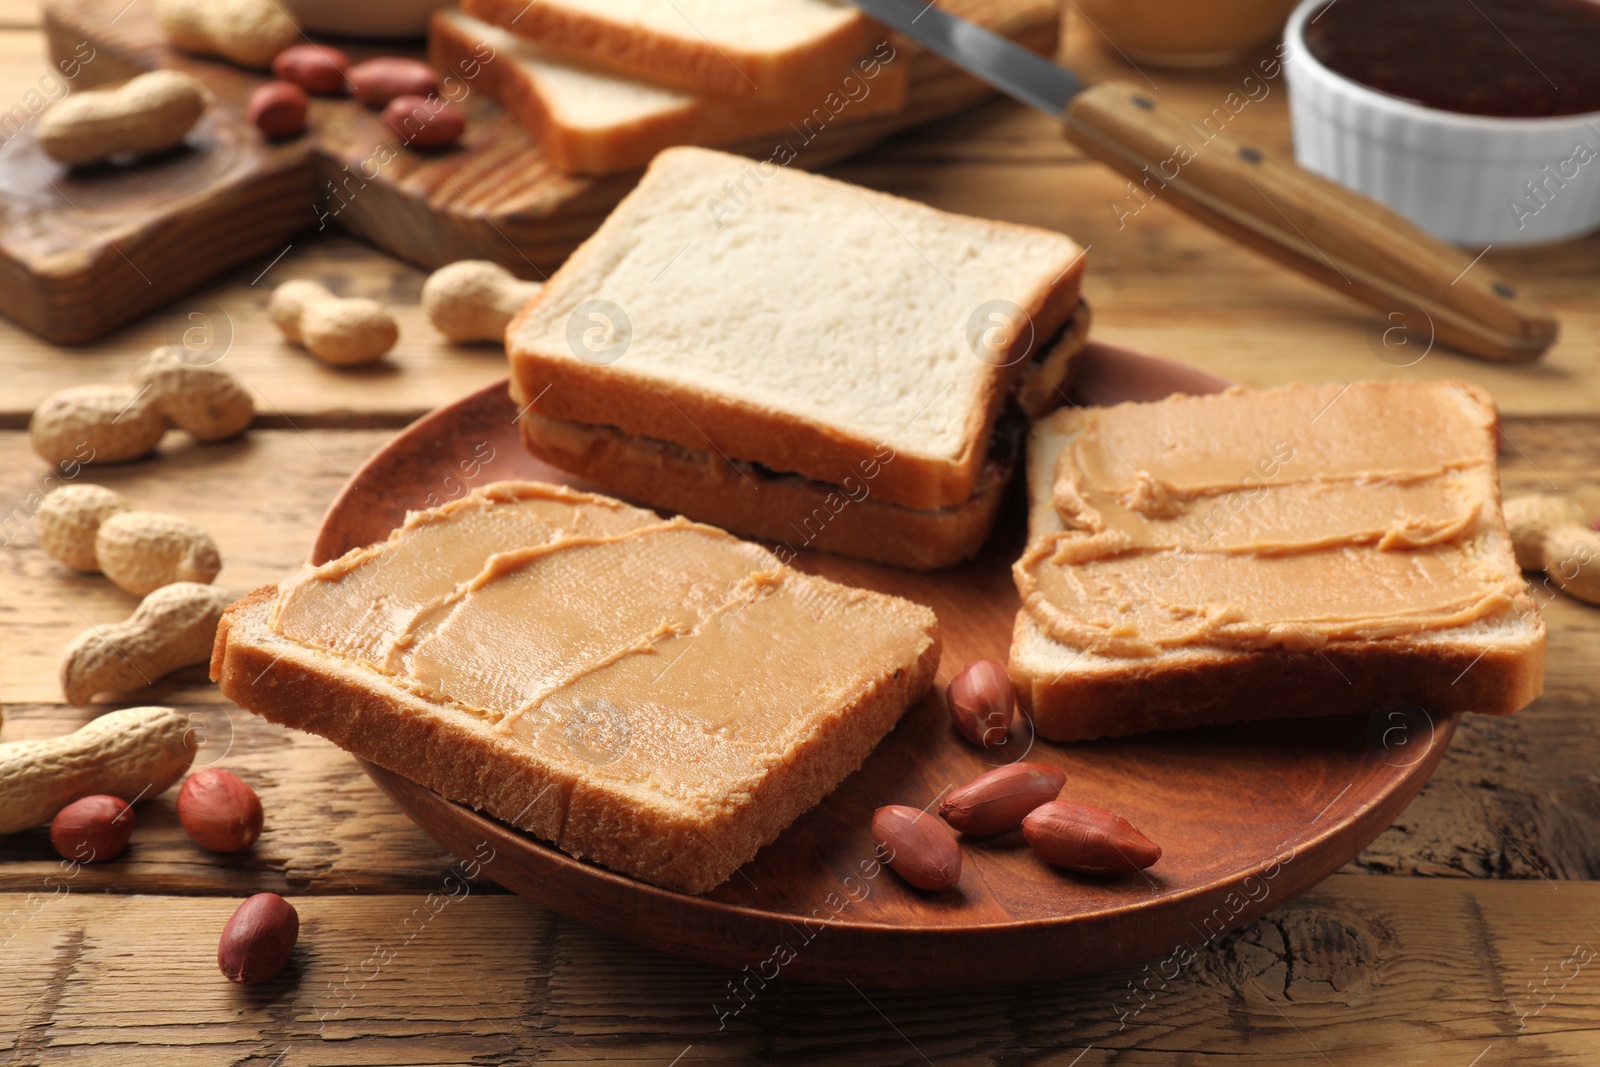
(1470, 179)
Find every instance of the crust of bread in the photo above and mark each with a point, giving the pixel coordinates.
(626, 146)
(461, 757)
(796, 512)
(560, 387)
(1176, 691)
(696, 65)
(1495, 667)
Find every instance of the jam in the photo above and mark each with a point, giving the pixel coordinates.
(1505, 58)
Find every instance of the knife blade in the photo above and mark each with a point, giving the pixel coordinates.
(1000, 61)
(1354, 245)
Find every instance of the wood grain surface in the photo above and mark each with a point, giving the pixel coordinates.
(1462, 937)
(1358, 971)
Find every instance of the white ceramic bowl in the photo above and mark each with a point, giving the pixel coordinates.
(1469, 179)
(366, 18)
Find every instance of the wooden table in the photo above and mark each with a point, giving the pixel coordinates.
(1466, 935)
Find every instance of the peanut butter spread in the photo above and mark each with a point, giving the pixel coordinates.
(1280, 518)
(661, 653)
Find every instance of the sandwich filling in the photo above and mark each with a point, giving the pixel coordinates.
(1284, 518)
(664, 653)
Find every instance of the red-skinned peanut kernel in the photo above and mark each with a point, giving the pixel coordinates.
(92, 829)
(278, 110)
(998, 801)
(423, 122)
(258, 939)
(917, 846)
(1081, 837)
(981, 703)
(316, 68)
(378, 81)
(219, 811)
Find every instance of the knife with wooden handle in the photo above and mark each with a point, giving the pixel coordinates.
(1350, 243)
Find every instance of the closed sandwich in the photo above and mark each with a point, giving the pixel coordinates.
(764, 326)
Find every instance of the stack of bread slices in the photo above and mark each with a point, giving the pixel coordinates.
(799, 359)
(603, 85)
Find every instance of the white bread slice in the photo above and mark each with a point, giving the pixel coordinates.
(795, 321)
(719, 47)
(680, 805)
(1494, 665)
(799, 513)
(589, 120)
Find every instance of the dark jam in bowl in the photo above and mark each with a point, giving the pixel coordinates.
(1509, 58)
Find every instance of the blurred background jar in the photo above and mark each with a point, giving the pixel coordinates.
(1184, 33)
(365, 18)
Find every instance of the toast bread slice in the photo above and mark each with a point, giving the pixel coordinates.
(718, 47)
(799, 513)
(795, 321)
(588, 120)
(1493, 664)
(683, 805)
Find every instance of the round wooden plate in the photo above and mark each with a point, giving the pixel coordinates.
(1247, 816)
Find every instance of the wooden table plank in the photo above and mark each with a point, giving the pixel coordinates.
(1360, 970)
(328, 829)
(19, 14)
(290, 387)
(260, 496)
(23, 67)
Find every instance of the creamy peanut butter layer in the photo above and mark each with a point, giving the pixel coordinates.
(659, 653)
(1278, 518)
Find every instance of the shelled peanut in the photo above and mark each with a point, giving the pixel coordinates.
(340, 331)
(147, 114)
(248, 32)
(173, 627)
(138, 752)
(91, 528)
(118, 423)
(1553, 534)
(475, 299)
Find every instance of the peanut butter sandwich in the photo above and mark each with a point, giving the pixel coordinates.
(649, 694)
(1256, 554)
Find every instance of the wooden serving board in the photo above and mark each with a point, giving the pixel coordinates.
(84, 251)
(1248, 816)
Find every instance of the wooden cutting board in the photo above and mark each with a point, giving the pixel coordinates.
(85, 251)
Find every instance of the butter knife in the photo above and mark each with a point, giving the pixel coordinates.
(1350, 243)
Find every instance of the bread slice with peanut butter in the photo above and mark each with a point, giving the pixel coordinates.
(650, 694)
(1297, 551)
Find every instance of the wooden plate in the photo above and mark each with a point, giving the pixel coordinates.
(1248, 815)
